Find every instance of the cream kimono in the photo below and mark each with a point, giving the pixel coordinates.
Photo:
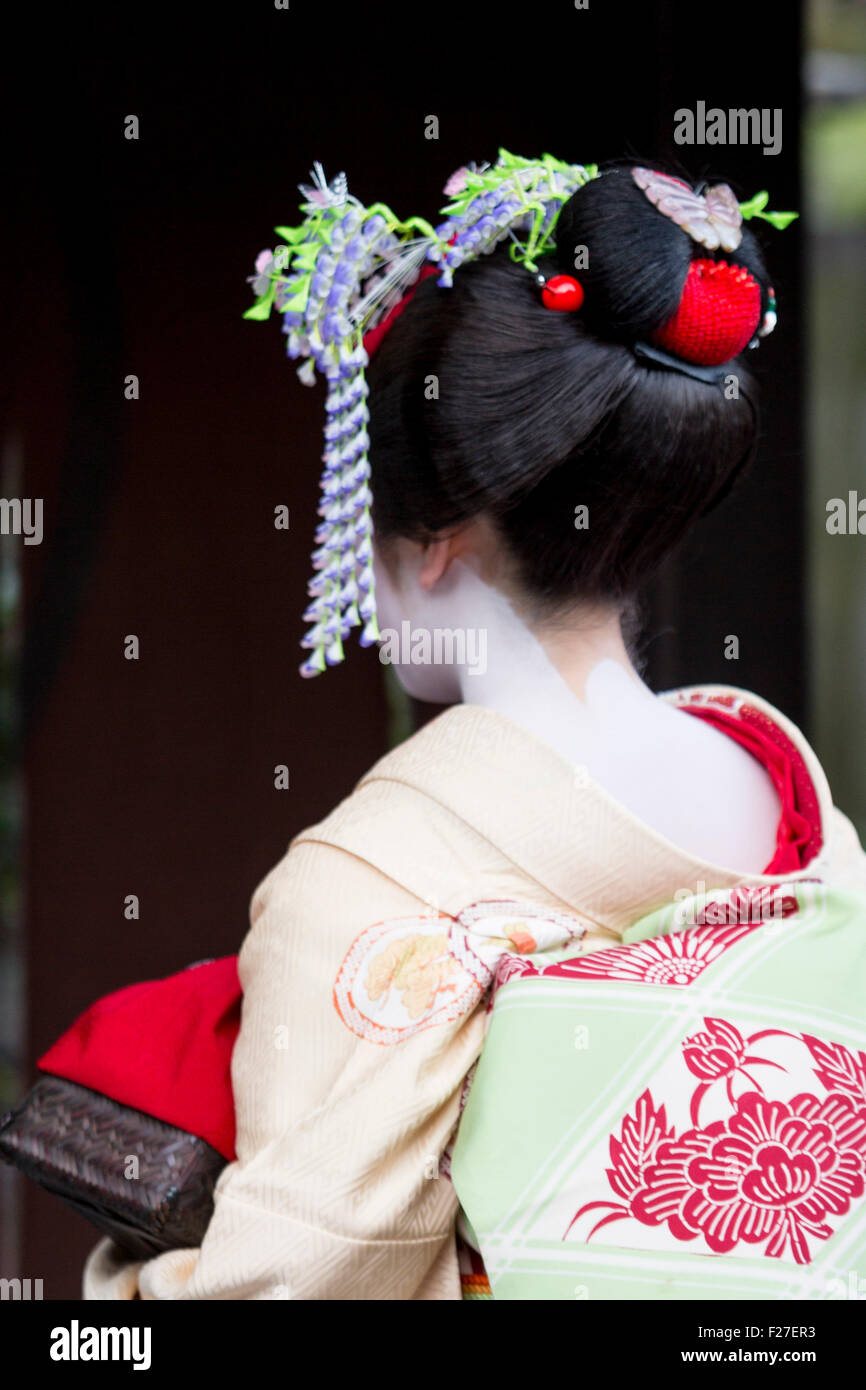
(366, 973)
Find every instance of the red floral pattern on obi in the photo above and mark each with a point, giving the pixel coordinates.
(773, 1172)
(758, 903)
(679, 958)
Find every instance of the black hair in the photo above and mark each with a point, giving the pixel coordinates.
(484, 402)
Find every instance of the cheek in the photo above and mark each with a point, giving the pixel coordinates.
(390, 604)
(414, 606)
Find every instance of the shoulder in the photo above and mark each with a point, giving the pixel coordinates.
(415, 815)
(395, 844)
(451, 798)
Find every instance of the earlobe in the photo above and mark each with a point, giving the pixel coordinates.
(435, 561)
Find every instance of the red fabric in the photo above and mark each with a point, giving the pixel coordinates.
(718, 314)
(798, 837)
(375, 335)
(163, 1047)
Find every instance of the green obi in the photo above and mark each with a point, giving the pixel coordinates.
(682, 1116)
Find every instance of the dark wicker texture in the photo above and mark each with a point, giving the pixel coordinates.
(77, 1144)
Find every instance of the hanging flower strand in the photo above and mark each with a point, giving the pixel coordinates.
(335, 276)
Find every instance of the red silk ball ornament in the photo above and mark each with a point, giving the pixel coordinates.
(562, 292)
(718, 314)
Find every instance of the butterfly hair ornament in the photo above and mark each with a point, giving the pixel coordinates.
(719, 313)
(344, 274)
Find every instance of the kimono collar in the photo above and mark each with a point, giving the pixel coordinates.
(474, 804)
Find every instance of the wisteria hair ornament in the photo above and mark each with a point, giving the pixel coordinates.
(341, 276)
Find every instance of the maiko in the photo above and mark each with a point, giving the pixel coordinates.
(76, 1343)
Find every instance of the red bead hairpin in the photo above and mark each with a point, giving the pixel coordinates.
(561, 292)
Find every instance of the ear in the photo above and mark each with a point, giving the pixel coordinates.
(435, 561)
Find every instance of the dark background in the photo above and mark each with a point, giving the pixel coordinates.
(155, 777)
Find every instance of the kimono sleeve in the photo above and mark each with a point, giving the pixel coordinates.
(347, 1074)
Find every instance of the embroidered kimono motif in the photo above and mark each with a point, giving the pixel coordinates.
(401, 976)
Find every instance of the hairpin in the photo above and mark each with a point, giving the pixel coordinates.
(712, 219)
(561, 292)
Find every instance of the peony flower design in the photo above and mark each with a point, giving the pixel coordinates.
(716, 1055)
(641, 1136)
(719, 1052)
(775, 1173)
(839, 1069)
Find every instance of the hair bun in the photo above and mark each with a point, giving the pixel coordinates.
(634, 265)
